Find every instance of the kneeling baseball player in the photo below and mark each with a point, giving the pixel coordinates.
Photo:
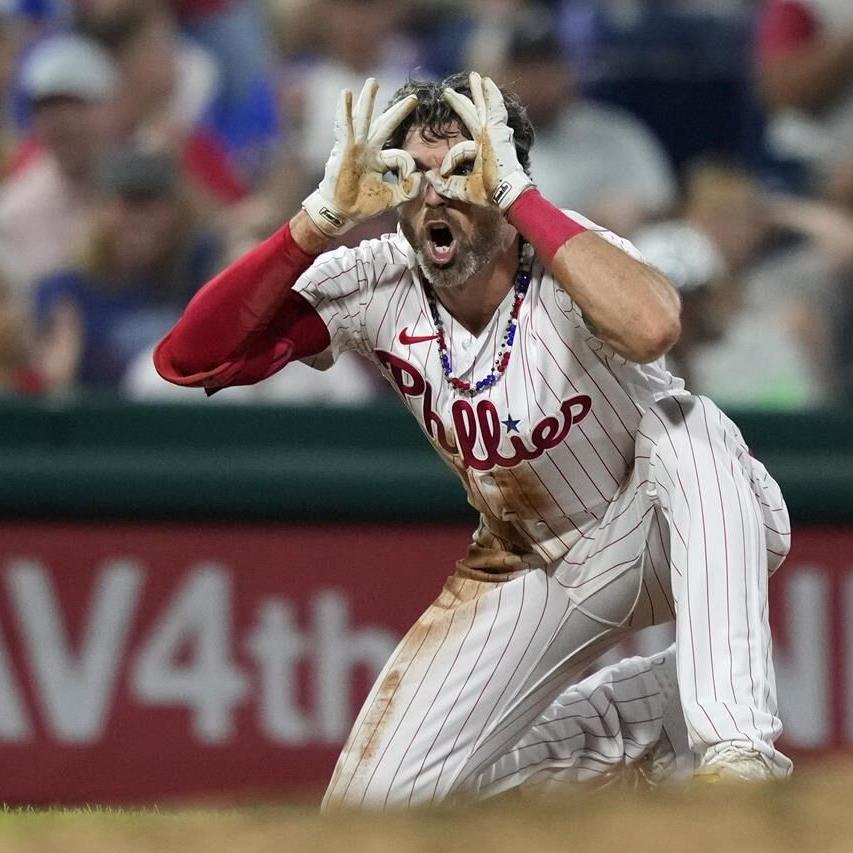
(528, 344)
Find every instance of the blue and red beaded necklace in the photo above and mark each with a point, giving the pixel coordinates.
(522, 282)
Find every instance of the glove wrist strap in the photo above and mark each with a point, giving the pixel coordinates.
(510, 188)
(325, 216)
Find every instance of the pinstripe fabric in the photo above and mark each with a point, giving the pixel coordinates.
(625, 717)
(609, 499)
(727, 513)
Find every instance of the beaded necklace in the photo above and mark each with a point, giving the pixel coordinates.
(522, 282)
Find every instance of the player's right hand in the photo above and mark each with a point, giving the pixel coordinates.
(353, 189)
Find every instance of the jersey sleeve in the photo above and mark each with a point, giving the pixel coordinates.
(334, 287)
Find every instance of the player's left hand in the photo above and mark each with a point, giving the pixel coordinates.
(496, 176)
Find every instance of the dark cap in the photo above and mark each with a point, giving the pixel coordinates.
(533, 39)
(132, 173)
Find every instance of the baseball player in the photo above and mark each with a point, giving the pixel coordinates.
(528, 344)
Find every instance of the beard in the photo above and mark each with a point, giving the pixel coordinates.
(472, 254)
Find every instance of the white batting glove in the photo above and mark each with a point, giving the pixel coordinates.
(496, 176)
(353, 189)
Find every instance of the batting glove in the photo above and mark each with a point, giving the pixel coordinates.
(496, 176)
(353, 189)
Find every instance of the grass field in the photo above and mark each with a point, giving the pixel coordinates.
(812, 813)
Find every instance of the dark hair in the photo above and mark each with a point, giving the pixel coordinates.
(116, 30)
(435, 118)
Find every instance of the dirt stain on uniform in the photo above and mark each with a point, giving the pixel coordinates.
(498, 551)
(446, 618)
(521, 491)
(421, 640)
(379, 715)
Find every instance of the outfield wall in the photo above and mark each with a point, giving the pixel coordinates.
(194, 600)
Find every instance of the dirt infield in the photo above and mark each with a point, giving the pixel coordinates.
(812, 813)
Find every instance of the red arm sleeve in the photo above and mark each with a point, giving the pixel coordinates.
(784, 26)
(246, 323)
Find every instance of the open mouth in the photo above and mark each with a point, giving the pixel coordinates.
(441, 243)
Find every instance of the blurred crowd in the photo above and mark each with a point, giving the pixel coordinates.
(145, 143)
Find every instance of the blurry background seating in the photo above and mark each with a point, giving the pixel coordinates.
(167, 86)
(805, 76)
(683, 66)
(716, 131)
(588, 156)
(350, 381)
(145, 257)
(762, 294)
(46, 202)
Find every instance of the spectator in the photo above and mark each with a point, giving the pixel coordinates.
(144, 261)
(693, 263)
(494, 25)
(774, 305)
(166, 87)
(241, 110)
(590, 157)
(358, 38)
(12, 38)
(244, 111)
(18, 375)
(45, 206)
(683, 66)
(805, 53)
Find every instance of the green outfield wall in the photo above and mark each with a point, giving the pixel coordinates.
(207, 461)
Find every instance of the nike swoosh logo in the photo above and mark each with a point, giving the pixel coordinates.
(406, 338)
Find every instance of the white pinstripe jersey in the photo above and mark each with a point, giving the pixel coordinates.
(543, 451)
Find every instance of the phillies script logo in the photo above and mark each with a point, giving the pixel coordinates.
(482, 422)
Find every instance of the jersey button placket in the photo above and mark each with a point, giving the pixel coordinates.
(465, 360)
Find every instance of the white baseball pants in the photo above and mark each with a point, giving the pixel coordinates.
(692, 535)
(621, 726)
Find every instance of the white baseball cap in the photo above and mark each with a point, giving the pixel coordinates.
(685, 255)
(69, 65)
